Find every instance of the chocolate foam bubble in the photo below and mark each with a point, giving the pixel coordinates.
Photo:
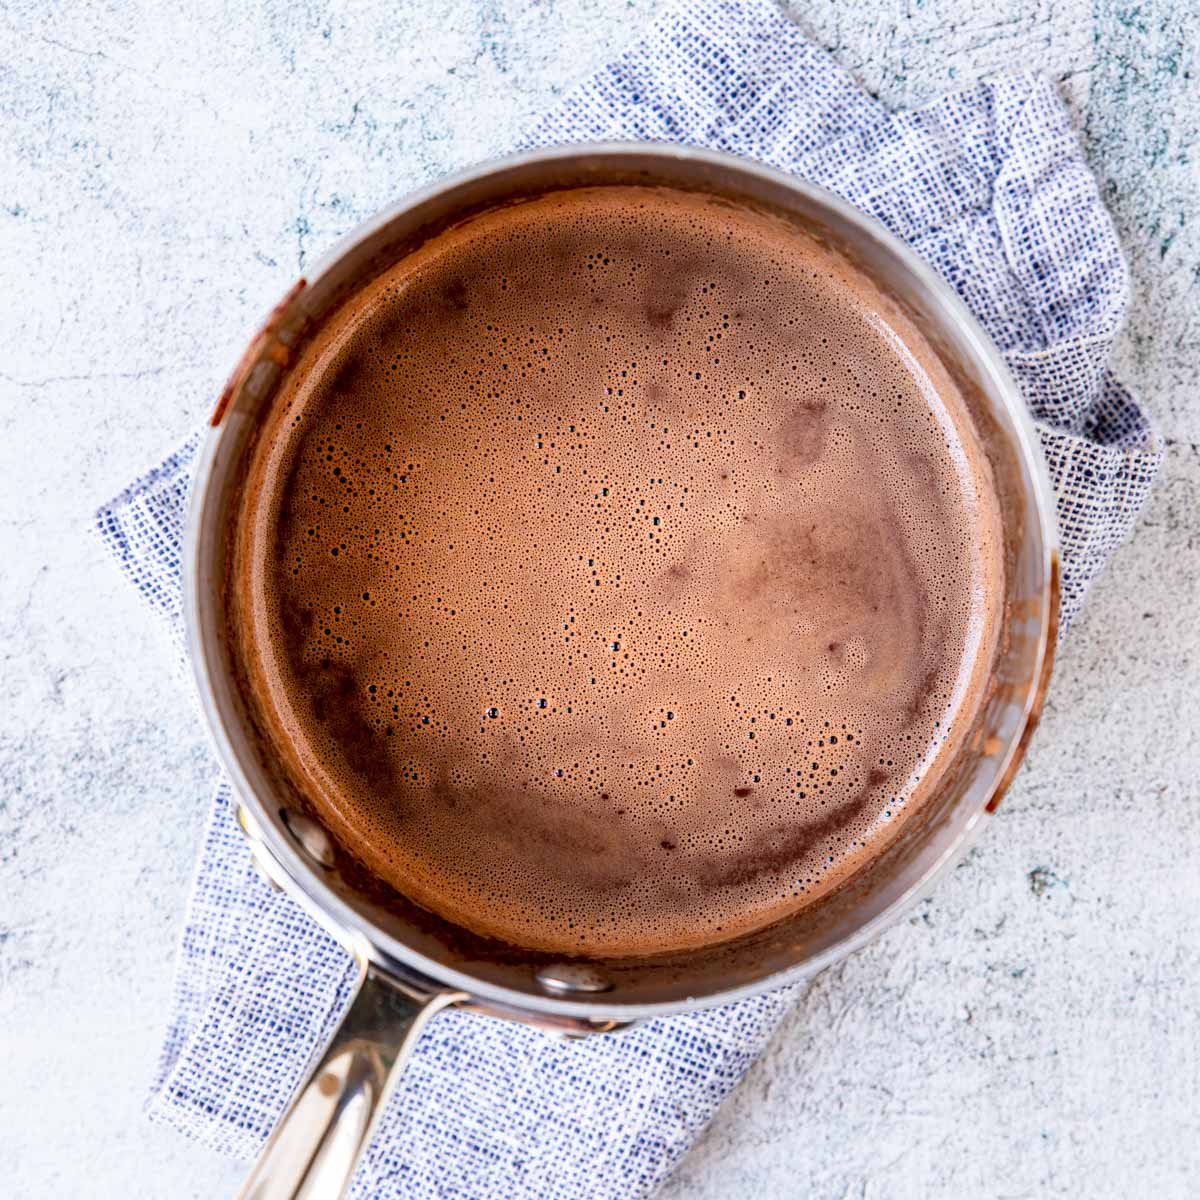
(617, 572)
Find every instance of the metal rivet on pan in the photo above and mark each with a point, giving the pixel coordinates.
(309, 836)
(573, 977)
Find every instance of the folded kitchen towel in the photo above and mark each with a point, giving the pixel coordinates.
(989, 185)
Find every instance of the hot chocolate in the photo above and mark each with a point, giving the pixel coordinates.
(618, 572)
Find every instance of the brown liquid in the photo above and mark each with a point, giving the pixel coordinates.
(618, 572)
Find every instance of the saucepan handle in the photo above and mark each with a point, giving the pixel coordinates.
(313, 1151)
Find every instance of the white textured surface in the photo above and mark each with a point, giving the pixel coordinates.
(1033, 1031)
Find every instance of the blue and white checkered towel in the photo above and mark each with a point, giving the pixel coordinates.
(989, 185)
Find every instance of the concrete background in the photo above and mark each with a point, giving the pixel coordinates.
(164, 172)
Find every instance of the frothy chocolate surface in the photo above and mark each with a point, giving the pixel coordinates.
(617, 572)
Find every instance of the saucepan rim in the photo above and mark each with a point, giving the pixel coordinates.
(304, 880)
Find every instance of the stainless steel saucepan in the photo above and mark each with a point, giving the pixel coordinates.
(413, 964)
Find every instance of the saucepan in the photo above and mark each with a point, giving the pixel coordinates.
(412, 963)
